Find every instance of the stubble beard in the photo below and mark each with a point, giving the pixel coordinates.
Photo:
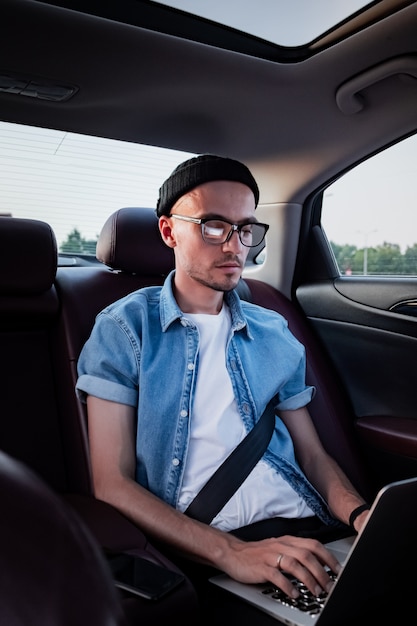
(207, 277)
(227, 284)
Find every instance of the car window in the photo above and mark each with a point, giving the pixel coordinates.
(369, 214)
(74, 182)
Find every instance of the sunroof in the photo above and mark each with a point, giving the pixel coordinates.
(285, 22)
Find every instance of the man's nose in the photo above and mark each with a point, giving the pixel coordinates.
(234, 243)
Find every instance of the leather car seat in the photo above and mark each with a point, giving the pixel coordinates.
(52, 571)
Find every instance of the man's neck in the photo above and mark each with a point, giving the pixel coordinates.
(199, 299)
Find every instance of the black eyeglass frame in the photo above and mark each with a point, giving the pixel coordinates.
(234, 228)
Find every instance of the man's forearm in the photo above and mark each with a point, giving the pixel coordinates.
(161, 521)
(335, 487)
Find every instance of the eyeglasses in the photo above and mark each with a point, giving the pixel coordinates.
(217, 232)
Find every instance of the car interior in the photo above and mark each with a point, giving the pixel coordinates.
(304, 117)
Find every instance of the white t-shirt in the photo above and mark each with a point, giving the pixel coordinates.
(216, 429)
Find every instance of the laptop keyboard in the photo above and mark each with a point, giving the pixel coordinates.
(306, 601)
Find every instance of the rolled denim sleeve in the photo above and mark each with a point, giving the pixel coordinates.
(295, 393)
(109, 363)
(297, 401)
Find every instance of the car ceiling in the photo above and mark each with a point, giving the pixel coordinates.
(150, 87)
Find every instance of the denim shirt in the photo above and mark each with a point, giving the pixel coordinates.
(143, 352)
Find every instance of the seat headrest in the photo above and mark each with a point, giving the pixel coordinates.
(130, 241)
(28, 256)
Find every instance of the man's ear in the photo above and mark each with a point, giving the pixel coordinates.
(165, 228)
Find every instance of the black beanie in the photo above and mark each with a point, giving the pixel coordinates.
(199, 170)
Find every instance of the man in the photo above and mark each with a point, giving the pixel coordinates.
(174, 377)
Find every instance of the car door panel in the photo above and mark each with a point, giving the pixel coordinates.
(374, 351)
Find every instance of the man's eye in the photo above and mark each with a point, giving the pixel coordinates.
(214, 231)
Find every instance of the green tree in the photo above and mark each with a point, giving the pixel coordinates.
(76, 244)
(410, 260)
(344, 255)
(384, 259)
(358, 261)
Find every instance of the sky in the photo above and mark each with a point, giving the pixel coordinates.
(285, 22)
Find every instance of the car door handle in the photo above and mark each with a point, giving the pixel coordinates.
(408, 307)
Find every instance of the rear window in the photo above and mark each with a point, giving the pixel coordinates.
(74, 182)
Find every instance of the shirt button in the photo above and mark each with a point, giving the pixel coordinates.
(175, 462)
(190, 366)
(184, 413)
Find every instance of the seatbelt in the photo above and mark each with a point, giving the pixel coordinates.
(232, 472)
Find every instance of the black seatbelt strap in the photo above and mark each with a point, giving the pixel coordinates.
(232, 472)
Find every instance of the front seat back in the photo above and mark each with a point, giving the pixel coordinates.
(52, 572)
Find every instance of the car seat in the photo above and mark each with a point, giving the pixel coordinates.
(52, 571)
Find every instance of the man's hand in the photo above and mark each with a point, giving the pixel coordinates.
(266, 560)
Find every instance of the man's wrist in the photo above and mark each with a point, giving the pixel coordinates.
(355, 514)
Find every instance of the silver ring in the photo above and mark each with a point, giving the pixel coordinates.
(279, 559)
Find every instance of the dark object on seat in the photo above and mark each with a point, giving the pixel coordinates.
(52, 572)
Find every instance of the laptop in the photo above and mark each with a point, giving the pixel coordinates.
(379, 571)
